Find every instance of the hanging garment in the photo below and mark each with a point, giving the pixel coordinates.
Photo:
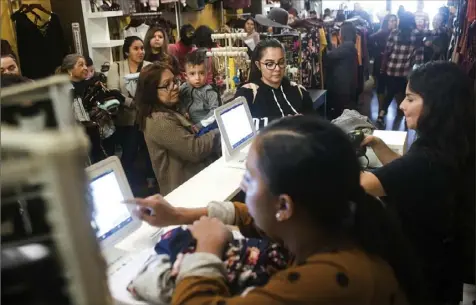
(139, 31)
(41, 49)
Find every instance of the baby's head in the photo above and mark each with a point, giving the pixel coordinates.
(195, 69)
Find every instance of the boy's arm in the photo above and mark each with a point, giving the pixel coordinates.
(211, 103)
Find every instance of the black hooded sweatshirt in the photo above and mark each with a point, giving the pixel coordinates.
(268, 103)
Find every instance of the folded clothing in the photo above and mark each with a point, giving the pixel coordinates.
(249, 262)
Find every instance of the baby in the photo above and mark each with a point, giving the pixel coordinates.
(198, 99)
(249, 262)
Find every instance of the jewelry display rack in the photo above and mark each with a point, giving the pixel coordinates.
(228, 51)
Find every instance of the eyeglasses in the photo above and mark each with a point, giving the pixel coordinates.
(171, 85)
(271, 65)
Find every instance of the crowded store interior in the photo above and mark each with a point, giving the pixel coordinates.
(217, 152)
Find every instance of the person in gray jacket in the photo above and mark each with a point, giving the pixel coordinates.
(198, 100)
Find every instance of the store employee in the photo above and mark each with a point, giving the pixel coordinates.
(270, 95)
(431, 187)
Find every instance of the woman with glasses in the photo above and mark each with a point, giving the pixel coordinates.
(270, 95)
(176, 152)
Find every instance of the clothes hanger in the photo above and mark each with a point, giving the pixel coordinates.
(26, 8)
(39, 7)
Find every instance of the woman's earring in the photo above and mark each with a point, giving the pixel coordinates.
(278, 216)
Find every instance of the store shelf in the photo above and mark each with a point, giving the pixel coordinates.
(107, 44)
(105, 14)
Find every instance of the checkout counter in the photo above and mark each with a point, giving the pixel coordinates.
(217, 182)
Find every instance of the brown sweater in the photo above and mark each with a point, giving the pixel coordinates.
(341, 278)
(175, 152)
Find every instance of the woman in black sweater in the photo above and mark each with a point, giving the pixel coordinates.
(270, 95)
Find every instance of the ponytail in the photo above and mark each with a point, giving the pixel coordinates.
(379, 232)
(296, 154)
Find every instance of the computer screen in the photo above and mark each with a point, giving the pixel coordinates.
(237, 125)
(110, 214)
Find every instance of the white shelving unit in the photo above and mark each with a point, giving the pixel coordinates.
(97, 33)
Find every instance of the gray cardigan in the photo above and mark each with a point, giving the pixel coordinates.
(115, 80)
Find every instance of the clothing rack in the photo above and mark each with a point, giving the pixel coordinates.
(146, 14)
(227, 54)
(238, 15)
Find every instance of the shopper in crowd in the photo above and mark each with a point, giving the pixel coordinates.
(341, 71)
(184, 46)
(156, 47)
(422, 20)
(128, 135)
(177, 154)
(90, 66)
(403, 51)
(327, 14)
(431, 187)
(436, 45)
(8, 65)
(360, 12)
(378, 41)
(252, 38)
(271, 95)
(204, 41)
(312, 14)
(98, 122)
(302, 189)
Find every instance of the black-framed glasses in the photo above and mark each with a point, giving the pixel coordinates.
(271, 65)
(171, 85)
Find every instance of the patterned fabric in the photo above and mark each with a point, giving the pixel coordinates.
(249, 262)
(402, 57)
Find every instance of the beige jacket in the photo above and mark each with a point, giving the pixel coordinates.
(115, 80)
(175, 152)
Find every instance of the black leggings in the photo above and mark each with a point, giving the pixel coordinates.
(396, 87)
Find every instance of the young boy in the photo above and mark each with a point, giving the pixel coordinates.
(197, 99)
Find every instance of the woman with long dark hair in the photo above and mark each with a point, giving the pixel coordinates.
(432, 186)
(302, 190)
(128, 135)
(176, 152)
(156, 46)
(270, 94)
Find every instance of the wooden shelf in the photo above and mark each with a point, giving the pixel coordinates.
(107, 44)
(105, 14)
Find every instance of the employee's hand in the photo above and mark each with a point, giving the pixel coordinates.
(370, 141)
(211, 235)
(156, 211)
